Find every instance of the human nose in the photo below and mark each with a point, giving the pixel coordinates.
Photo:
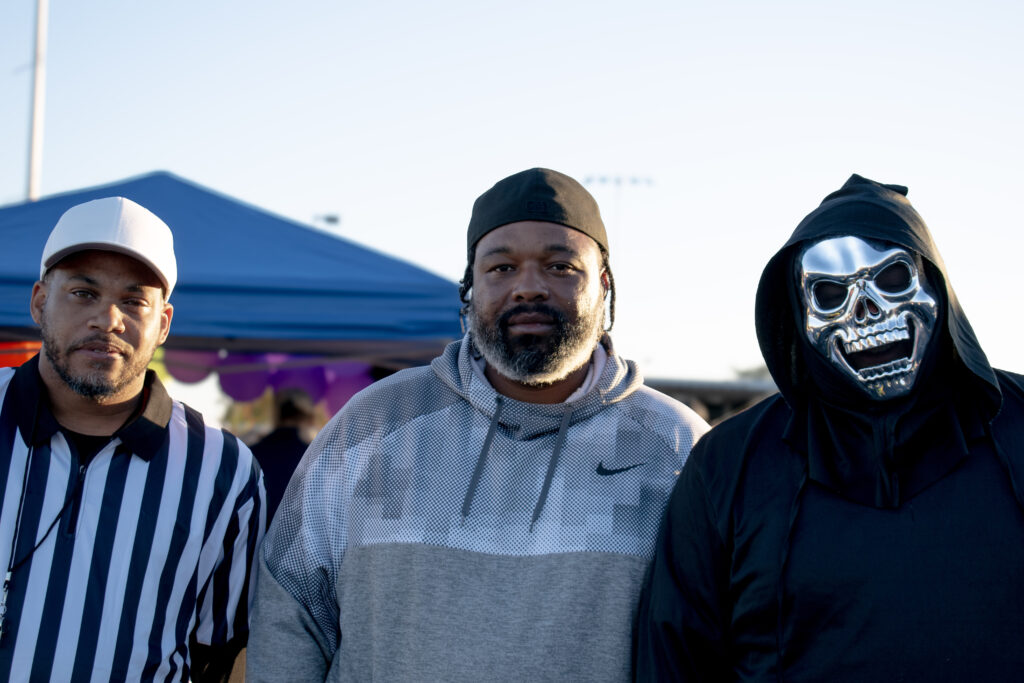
(530, 286)
(108, 318)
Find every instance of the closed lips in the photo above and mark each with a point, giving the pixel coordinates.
(100, 347)
(530, 319)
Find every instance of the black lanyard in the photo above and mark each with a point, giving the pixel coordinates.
(12, 564)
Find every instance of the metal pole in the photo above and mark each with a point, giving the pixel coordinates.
(35, 150)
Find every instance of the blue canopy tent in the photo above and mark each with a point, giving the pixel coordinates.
(250, 281)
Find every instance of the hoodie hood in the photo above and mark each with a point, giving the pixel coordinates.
(875, 452)
(521, 420)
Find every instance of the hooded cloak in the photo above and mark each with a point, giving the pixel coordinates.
(869, 450)
(827, 535)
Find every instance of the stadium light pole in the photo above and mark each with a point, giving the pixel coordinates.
(35, 145)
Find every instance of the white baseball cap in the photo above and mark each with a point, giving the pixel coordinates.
(114, 224)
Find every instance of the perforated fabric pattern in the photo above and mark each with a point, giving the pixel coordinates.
(394, 467)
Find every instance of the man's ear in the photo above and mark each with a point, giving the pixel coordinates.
(165, 322)
(605, 282)
(38, 301)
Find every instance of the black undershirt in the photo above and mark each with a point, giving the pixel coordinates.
(86, 445)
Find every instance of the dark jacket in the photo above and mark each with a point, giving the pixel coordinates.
(826, 536)
(278, 453)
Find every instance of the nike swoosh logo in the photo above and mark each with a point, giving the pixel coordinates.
(605, 472)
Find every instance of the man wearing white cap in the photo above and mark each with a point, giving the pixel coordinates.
(127, 526)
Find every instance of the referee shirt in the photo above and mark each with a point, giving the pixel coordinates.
(122, 562)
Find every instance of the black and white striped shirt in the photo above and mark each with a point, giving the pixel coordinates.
(151, 545)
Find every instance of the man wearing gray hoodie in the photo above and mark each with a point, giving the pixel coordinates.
(491, 516)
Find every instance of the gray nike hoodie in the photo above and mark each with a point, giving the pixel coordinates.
(437, 530)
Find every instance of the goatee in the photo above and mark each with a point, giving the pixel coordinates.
(92, 385)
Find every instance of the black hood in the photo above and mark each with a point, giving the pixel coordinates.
(872, 451)
(870, 210)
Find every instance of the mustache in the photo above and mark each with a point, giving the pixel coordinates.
(100, 340)
(556, 316)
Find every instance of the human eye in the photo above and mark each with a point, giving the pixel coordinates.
(83, 294)
(562, 267)
(135, 301)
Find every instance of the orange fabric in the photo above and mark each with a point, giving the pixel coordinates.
(13, 354)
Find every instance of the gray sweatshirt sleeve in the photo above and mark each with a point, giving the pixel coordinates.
(285, 642)
(294, 623)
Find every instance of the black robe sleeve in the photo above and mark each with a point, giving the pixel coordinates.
(683, 616)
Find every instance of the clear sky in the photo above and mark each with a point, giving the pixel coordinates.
(736, 117)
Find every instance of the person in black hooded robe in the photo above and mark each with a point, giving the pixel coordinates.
(865, 524)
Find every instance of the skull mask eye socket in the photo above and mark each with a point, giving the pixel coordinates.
(828, 295)
(895, 279)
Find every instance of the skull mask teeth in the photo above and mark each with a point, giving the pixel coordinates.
(868, 310)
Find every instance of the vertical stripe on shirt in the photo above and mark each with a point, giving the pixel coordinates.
(257, 521)
(99, 570)
(221, 581)
(195, 438)
(31, 513)
(218, 516)
(8, 435)
(150, 610)
(141, 549)
(60, 568)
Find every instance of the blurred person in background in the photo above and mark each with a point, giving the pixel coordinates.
(279, 451)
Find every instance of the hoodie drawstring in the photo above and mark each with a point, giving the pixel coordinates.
(481, 460)
(559, 440)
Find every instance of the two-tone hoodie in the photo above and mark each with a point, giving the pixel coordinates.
(437, 530)
(823, 535)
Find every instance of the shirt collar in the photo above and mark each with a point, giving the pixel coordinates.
(143, 434)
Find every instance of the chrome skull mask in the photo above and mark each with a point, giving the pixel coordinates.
(868, 310)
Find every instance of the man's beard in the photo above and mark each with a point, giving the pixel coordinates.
(532, 359)
(95, 385)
